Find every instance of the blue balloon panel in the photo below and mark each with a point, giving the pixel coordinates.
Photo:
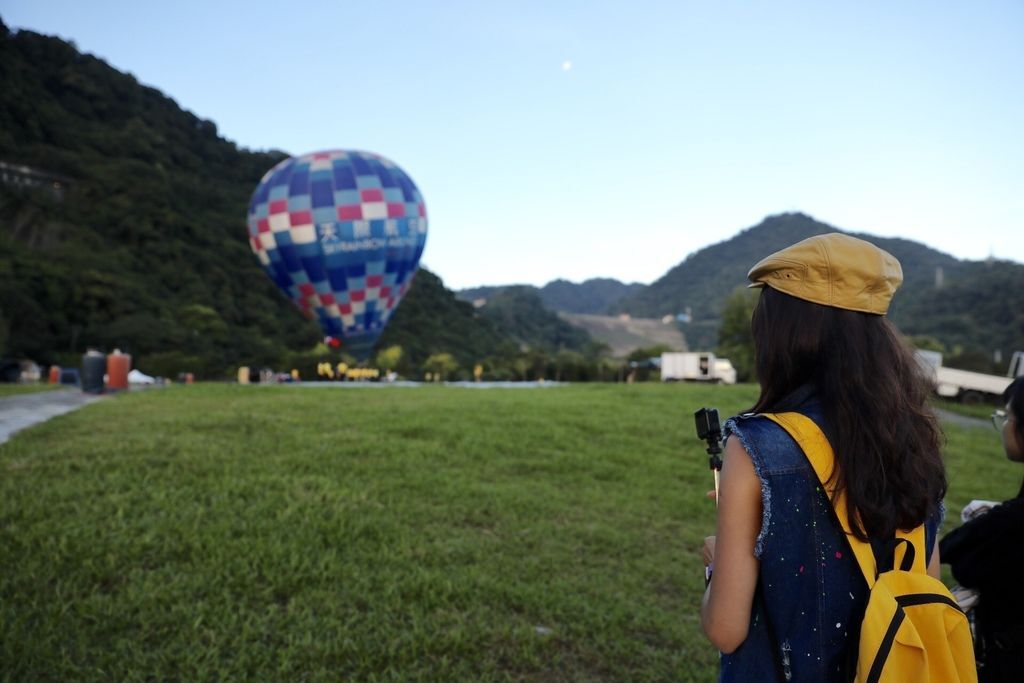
(341, 233)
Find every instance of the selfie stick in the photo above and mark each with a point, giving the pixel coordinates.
(708, 430)
(715, 463)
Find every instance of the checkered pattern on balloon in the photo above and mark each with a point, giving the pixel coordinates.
(341, 233)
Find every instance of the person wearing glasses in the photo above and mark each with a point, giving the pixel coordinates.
(987, 554)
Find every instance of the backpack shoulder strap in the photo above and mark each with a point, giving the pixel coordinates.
(819, 453)
(822, 458)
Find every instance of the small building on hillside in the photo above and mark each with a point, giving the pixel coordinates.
(25, 177)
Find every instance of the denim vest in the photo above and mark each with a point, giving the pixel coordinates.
(811, 595)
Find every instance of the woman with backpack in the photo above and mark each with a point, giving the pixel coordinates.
(786, 596)
(987, 554)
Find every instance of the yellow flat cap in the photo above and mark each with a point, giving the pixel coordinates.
(833, 270)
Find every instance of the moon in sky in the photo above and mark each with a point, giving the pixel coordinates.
(567, 65)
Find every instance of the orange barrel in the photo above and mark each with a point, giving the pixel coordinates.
(54, 374)
(188, 378)
(118, 365)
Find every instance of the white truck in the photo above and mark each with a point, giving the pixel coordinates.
(696, 366)
(964, 385)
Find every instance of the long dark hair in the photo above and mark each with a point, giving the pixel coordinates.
(1014, 396)
(874, 398)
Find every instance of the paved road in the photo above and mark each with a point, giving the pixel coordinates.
(962, 420)
(25, 410)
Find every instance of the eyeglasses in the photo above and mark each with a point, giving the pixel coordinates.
(999, 420)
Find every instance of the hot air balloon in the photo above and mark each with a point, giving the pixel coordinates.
(341, 233)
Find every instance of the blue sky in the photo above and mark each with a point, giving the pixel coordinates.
(601, 139)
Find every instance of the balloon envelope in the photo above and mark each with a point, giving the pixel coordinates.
(341, 233)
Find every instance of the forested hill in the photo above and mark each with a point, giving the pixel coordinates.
(520, 313)
(705, 278)
(147, 249)
(595, 295)
(431, 319)
(959, 303)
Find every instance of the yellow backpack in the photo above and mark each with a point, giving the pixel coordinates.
(913, 630)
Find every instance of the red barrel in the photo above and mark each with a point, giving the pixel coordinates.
(118, 365)
(54, 374)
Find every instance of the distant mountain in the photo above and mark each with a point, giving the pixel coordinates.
(431, 320)
(475, 294)
(703, 279)
(595, 296)
(519, 312)
(960, 303)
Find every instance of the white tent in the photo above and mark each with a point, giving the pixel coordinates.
(136, 377)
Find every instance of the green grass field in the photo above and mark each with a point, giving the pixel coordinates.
(18, 389)
(399, 534)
